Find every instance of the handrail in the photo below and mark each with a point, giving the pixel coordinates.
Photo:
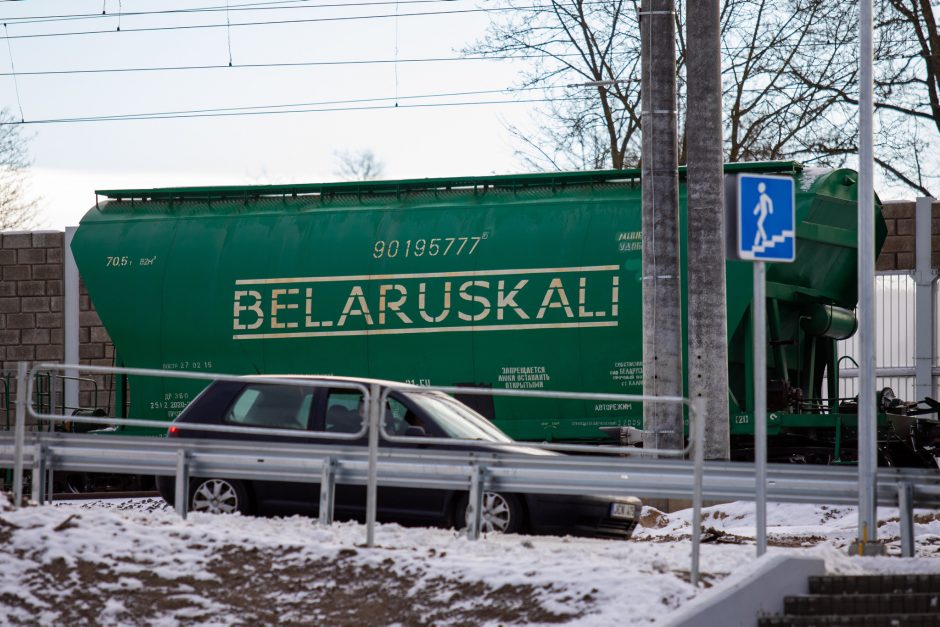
(177, 374)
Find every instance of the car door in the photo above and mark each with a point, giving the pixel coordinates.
(341, 413)
(276, 406)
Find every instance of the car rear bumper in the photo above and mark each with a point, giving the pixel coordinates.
(580, 515)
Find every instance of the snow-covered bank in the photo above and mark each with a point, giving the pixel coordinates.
(132, 562)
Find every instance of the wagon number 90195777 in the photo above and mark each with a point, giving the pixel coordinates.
(432, 247)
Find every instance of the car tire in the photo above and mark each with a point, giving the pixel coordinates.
(218, 496)
(502, 513)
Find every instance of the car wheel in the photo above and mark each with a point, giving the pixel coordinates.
(219, 496)
(502, 513)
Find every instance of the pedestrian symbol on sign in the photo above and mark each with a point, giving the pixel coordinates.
(764, 206)
(766, 220)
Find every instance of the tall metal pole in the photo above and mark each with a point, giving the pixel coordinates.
(705, 230)
(70, 310)
(924, 279)
(759, 322)
(867, 428)
(662, 304)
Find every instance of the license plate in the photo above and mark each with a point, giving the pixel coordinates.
(622, 510)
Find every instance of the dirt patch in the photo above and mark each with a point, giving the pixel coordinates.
(357, 594)
(652, 518)
(277, 586)
(795, 541)
(6, 530)
(68, 523)
(719, 536)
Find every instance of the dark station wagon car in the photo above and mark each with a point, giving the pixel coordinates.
(412, 412)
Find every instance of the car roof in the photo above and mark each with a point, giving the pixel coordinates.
(343, 379)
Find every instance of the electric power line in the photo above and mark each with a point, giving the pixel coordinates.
(254, 6)
(286, 64)
(290, 64)
(339, 18)
(286, 111)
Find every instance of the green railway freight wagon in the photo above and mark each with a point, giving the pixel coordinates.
(520, 282)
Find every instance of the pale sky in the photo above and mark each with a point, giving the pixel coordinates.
(71, 160)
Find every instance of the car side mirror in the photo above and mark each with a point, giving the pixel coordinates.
(415, 432)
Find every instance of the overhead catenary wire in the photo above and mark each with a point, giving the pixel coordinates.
(338, 18)
(317, 103)
(453, 94)
(289, 64)
(286, 64)
(396, 52)
(252, 7)
(228, 33)
(264, 6)
(129, 118)
(16, 84)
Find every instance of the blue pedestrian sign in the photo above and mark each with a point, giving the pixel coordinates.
(766, 218)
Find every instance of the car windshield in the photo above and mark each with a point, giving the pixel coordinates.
(456, 419)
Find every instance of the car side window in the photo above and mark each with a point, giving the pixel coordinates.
(398, 418)
(342, 412)
(277, 406)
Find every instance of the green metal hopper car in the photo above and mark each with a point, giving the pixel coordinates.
(519, 282)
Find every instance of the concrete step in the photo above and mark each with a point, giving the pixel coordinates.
(880, 620)
(873, 584)
(872, 604)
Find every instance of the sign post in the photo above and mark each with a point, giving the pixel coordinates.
(867, 410)
(762, 229)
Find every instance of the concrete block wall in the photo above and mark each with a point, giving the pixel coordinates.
(31, 320)
(898, 250)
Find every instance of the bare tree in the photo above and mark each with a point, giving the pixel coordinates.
(588, 60)
(781, 60)
(789, 73)
(907, 90)
(17, 210)
(359, 165)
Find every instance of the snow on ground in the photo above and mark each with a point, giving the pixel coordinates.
(135, 561)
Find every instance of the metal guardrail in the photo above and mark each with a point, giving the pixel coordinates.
(475, 471)
(372, 412)
(460, 470)
(444, 469)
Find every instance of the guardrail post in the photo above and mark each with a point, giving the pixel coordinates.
(327, 491)
(697, 418)
(372, 489)
(19, 433)
(39, 473)
(906, 511)
(475, 502)
(182, 482)
(49, 475)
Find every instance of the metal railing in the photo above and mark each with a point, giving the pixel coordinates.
(475, 471)
(48, 393)
(373, 404)
(456, 470)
